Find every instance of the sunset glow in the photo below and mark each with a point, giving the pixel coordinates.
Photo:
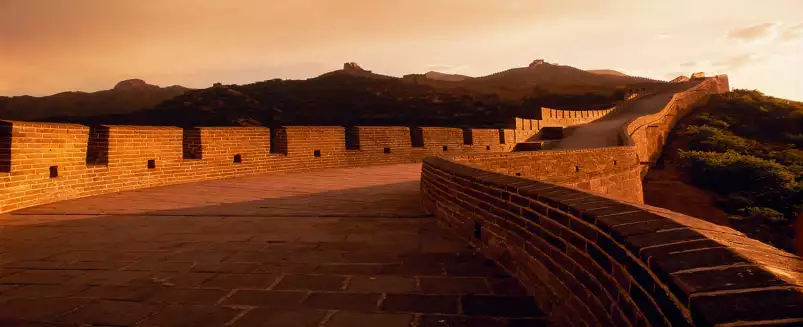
(88, 45)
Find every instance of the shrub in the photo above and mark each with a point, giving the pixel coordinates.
(709, 138)
(708, 119)
(733, 172)
(788, 157)
(763, 213)
(734, 203)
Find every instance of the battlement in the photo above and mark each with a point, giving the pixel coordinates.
(47, 162)
(90, 160)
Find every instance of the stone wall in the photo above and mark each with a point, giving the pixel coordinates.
(47, 162)
(610, 171)
(526, 128)
(563, 118)
(591, 260)
(648, 133)
(592, 254)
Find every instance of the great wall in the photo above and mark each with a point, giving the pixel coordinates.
(567, 222)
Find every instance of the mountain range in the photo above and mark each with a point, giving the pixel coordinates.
(349, 96)
(126, 97)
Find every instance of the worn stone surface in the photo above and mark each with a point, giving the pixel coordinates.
(334, 247)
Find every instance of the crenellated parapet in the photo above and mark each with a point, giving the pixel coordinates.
(525, 128)
(47, 162)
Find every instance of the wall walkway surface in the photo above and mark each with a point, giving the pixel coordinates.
(339, 247)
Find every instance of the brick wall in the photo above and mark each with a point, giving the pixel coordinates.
(526, 128)
(562, 118)
(648, 133)
(591, 260)
(610, 171)
(101, 159)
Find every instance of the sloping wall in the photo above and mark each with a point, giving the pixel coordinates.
(593, 255)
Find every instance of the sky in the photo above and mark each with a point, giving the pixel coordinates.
(50, 46)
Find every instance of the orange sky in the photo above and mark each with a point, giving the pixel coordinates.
(48, 46)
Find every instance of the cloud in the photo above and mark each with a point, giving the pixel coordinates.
(737, 62)
(755, 32)
(792, 32)
(689, 64)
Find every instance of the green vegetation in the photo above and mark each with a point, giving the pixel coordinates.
(746, 147)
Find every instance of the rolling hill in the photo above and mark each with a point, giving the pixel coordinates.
(126, 97)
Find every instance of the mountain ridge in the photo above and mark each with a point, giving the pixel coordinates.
(125, 97)
(348, 96)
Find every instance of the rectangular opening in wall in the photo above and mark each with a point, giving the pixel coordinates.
(576, 168)
(97, 151)
(417, 137)
(54, 171)
(352, 138)
(445, 148)
(278, 140)
(488, 147)
(477, 230)
(316, 153)
(468, 137)
(501, 136)
(151, 163)
(5, 147)
(238, 158)
(387, 150)
(191, 143)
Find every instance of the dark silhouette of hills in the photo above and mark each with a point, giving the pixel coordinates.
(126, 97)
(539, 77)
(553, 78)
(355, 96)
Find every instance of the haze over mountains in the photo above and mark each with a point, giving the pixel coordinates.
(352, 95)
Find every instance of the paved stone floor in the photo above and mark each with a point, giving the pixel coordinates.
(337, 247)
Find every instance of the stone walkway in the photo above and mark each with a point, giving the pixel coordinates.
(605, 131)
(338, 247)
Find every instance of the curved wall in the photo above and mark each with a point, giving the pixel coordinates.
(614, 172)
(601, 257)
(45, 162)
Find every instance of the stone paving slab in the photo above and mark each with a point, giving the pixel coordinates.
(339, 247)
